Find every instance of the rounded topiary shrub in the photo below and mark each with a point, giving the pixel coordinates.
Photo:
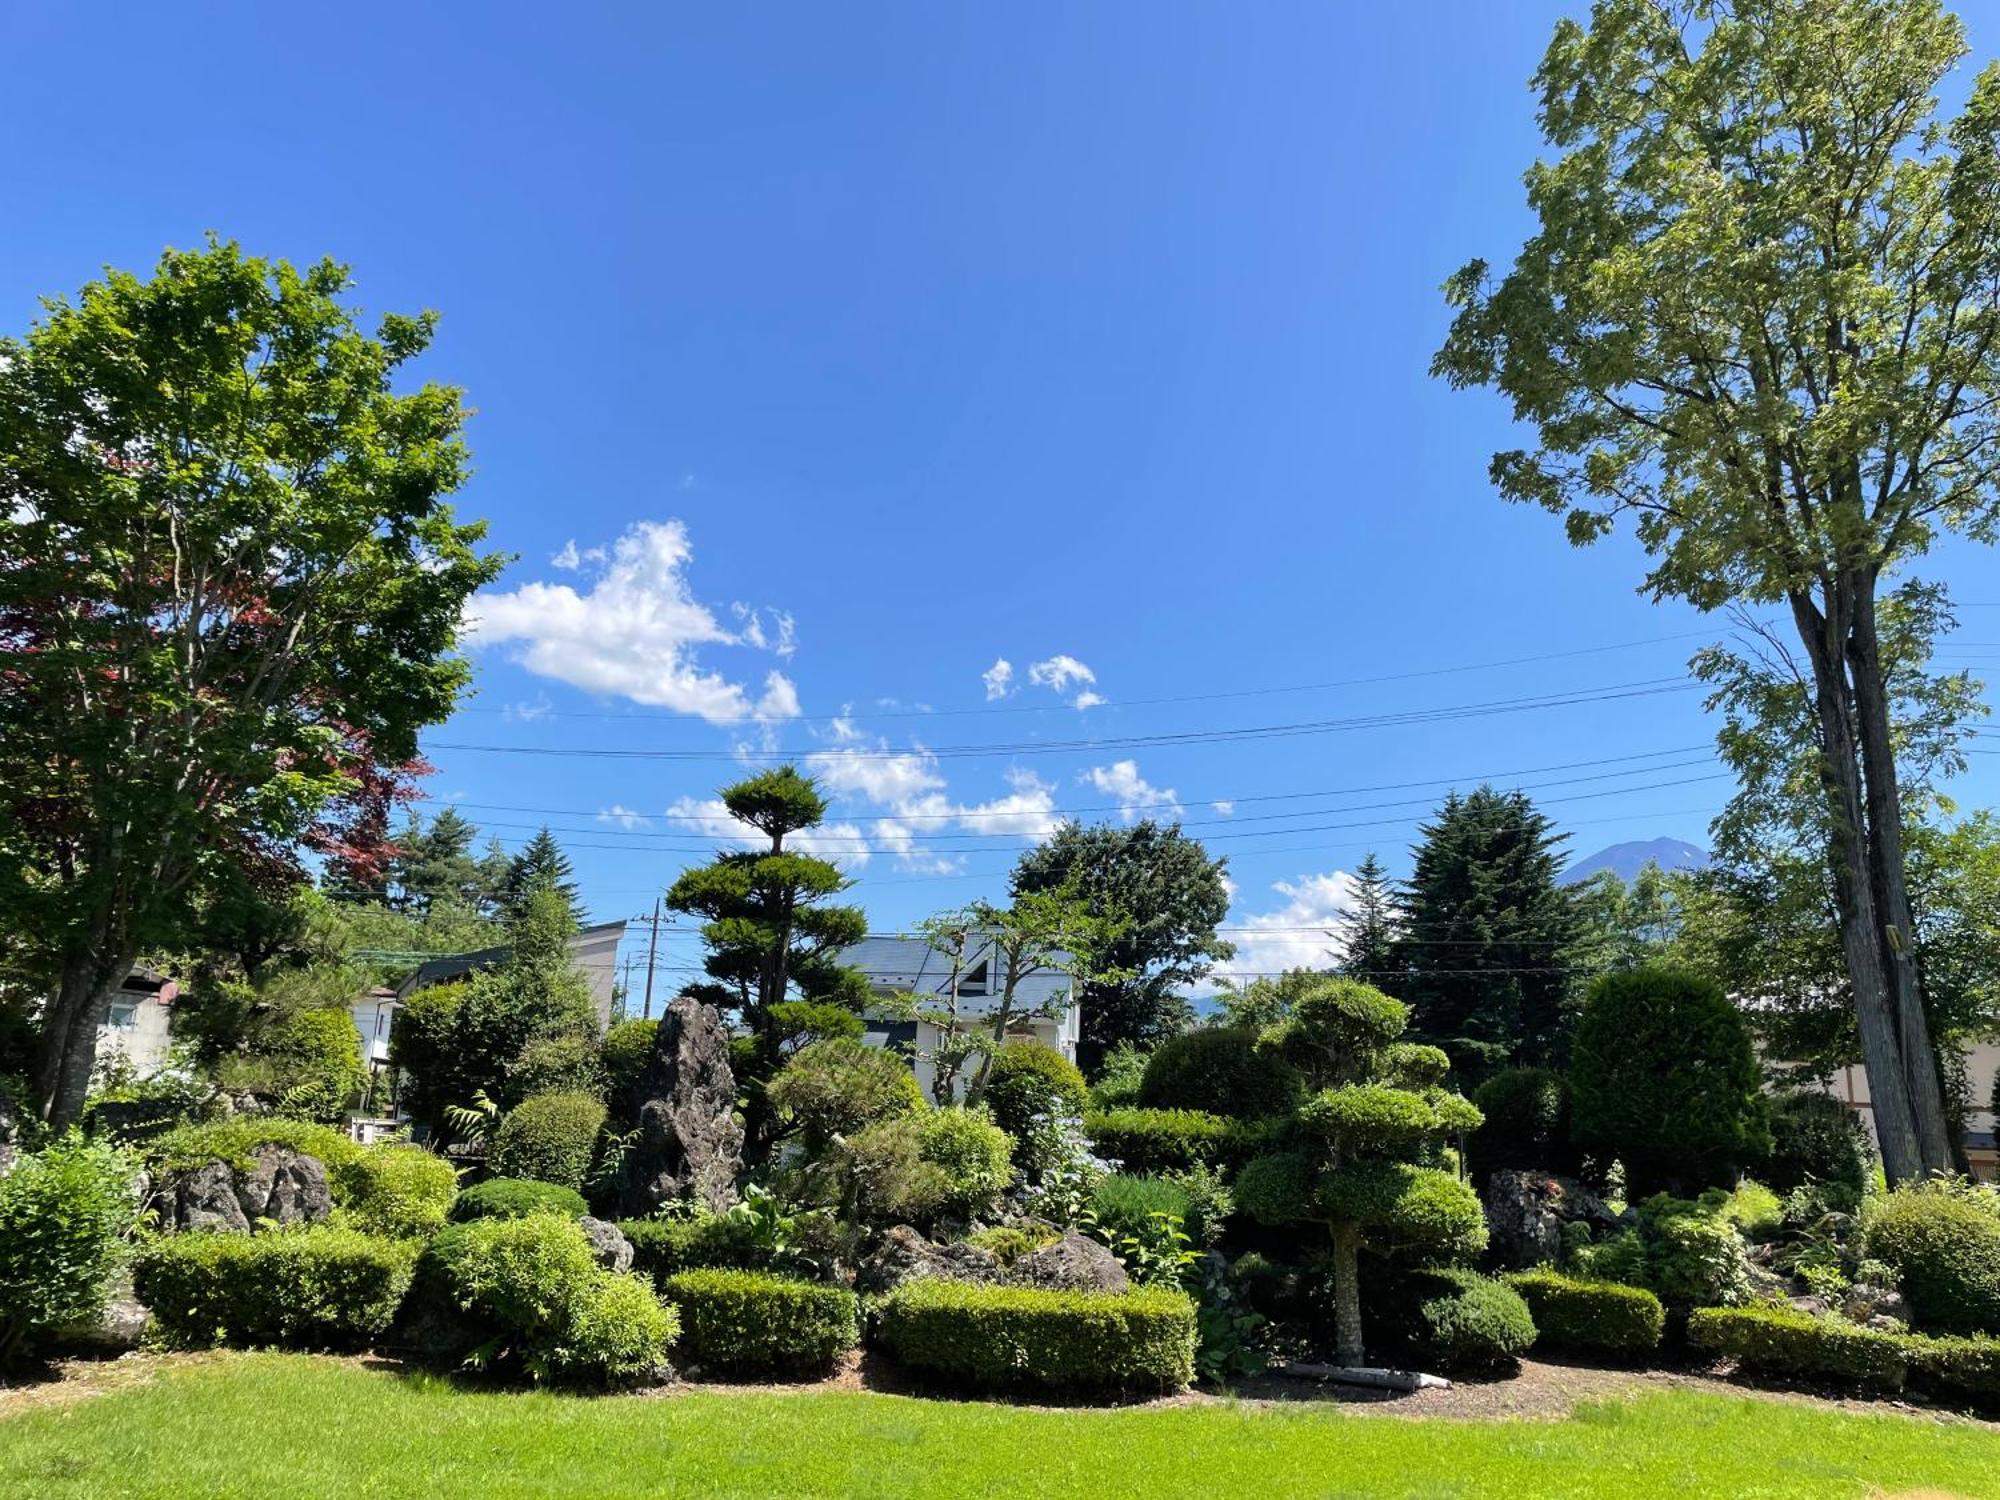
(625, 1051)
(549, 1138)
(516, 1198)
(1026, 1079)
(1943, 1240)
(1455, 1319)
(754, 1323)
(1663, 1077)
(397, 1190)
(1004, 1337)
(838, 1086)
(1221, 1071)
(318, 1288)
(1598, 1317)
(1526, 1125)
(1817, 1141)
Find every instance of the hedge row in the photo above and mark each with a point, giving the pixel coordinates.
(999, 1338)
(516, 1198)
(753, 1323)
(1784, 1341)
(1170, 1140)
(317, 1288)
(1600, 1316)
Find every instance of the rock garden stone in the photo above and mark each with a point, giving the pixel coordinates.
(904, 1255)
(1526, 1212)
(690, 1142)
(1071, 1264)
(608, 1243)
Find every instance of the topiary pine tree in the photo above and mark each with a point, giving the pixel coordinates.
(1367, 1144)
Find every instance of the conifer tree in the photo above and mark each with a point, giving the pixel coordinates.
(1486, 931)
(540, 866)
(1368, 928)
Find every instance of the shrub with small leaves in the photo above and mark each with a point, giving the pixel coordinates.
(1943, 1241)
(1783, 1341)
(236, 1140)
(1029, 1079)
(838, 1086)
(1599, 1317)
(753, 1323)
(549, 1138)
(1526, 1123)
(397, 1189)
(63, 1213)
(1219, 1070)
(1455, 1319)
(1165, 1140)
(516, 1198)
(1959, 1369)
(663, 1247)
(322, 1287)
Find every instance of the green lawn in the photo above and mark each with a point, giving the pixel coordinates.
(292, 1426)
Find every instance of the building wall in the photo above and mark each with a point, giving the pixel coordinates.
(1982, 1063)
(133, 1029)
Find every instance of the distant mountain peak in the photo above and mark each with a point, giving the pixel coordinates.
(1627, 860)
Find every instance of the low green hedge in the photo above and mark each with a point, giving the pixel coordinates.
(665, 1247)
(236, 1140)
(997, 1337)
(516, 1198)
(753, 1323)
(1783, 1341)
(1168, 1140)
(1599, 1316)
(1961, 1369)
(316, 1288)
(397, 1190)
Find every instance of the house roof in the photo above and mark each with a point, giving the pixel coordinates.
(897, 964)
(447, 967)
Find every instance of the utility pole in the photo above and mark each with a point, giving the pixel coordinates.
(652, 949)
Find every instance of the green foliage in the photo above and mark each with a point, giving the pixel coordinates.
(322, 1287)
(1664, 1078)
(838, 1086)
(1755, 1211)
(942, 1165)
(540, 869)
(626, 1050)
(235, 1140)
(1943, 1241)
(1684, 1251)
(532, 1294)
(1526, 1123)
(1219, 1071)
(63, 1213)
(1455, 1319)
(1007, 1244)
(974, 1154)
(273, 678)
(1209, 1202)
(752, 1323)
(308, 1064)
(568, 1064)
(1401, 1207)
(516, 1198)
(1597, 1317)
(1782, 1341)
(1162, 895)
(1002, 1338)
(1960, 1369)
(1337, 1030)
(1027, 1079)
(1125, 1204)
(664, 1247)
(397, 1190)
(1163, 1140)
(549, 1138)
(1818, 1140)
(1118, 1078)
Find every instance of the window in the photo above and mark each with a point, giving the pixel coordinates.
(123, 1015)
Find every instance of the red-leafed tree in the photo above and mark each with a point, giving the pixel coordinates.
(230, 593)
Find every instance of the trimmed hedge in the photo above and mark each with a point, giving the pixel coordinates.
(1026, 1079)
(1944, 1244)
(1526, 1123)
(753, 1323)
(516, 1198)
(1222, 1071)
(549, 1138)
(1461, 1320)
(1783, 1341)
(1598, 1316)
(665, 1247)
(64, 1211)
(1000, 1337)
(397, 1190)
(1166, 1140)
(235, 1141)
(317, 1288)
(1966, 1369)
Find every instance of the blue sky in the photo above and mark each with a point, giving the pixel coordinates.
(872, 346)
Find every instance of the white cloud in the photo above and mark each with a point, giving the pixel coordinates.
(1086, 699)
(1060, 673)
(999, 679)
(569, 559)
(1299, 934)
(624, 817)
(1027, 811)
(635, 633)
(1224, 809)
(910, 787)
(527, 713)
(843, 844)
(1121, 779)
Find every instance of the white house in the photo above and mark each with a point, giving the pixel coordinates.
(1982, 1064)
(1045, 1005)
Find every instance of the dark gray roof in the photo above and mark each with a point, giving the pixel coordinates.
(897, 964)
(449, 966)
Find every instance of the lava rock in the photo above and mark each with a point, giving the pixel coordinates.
(1072, 1264)
(904, 1254)
(690, 1142)
(607, 1243)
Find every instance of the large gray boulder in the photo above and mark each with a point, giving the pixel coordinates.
(690, 1142)
(904, 1255)
(607, 1243)
(281, 1185)
(1526, 1212)
(1071, 1264)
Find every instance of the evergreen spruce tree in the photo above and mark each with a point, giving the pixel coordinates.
(541, 866)
(1368, 929)
(434, 863)
(1482, 957)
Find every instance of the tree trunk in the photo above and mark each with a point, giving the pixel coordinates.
(1853, 891)
(1347, 1345)
(68, 1047)
(1897, 930)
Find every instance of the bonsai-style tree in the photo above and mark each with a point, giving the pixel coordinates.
(1364, 1146)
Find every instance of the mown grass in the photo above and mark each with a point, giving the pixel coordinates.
(294, 1426)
